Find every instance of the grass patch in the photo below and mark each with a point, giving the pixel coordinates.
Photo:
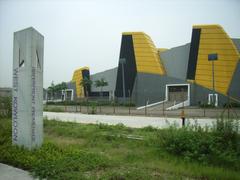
(80, 151)
(53, 109)
(91, 102)
(219, 145)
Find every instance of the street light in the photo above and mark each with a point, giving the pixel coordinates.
(122, 61)
(213, 57)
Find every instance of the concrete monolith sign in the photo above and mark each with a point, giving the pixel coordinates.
(27, 92)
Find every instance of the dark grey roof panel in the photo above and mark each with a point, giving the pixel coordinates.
(237, 43)
(109, 76)
(175, 61)
(234, 89)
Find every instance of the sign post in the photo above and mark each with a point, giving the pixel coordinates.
(213, 57)
(27, 91)
(123, 62)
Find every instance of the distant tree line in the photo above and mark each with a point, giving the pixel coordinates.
(53, 89)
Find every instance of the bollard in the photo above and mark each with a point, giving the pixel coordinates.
(183, 118)
(228, 104)
(130, 101)
(65, 106)
(87, 106)
(163, 109)
(113, 107)
(204, 110)
(145, 108)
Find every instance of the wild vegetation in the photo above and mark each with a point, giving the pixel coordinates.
(77, 151)
(5, 107)
(90, 102)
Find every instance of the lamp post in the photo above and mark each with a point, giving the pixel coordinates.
(213, 57)
(122, 61)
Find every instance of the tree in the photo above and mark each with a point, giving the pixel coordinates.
(86, 83)
(61, 86)
(56, 88)
(52, 90)
(101, 83)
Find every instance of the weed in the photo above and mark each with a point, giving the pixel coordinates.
(80, 151)
(53, 109)
(220, 146)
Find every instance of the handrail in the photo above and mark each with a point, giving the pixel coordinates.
(234, 99)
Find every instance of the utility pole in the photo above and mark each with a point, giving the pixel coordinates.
(213, 57)
(122, 61)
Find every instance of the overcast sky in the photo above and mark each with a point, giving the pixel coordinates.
(88, 32)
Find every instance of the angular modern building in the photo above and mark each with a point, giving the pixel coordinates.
(206, 70)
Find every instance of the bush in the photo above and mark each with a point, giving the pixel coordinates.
(236, 105)
(93, 109)
(206, 105)
(53, 109)
(218, 146)
(50, 161)
(90, 102)
(5, 107)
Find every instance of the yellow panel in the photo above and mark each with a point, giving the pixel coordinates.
(214, 39)
(77, 77)
(146, 54)
(152, 53)
(207, 26)
(161, 50)
(220, 57)
(219, 51)
(215, 46)
(209, 77)
(141, 41)
(216, 68)
(211, 31)
(144, 50)
(140, 45)
(213, 36)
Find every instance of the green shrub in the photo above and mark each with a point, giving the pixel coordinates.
(149, 129)
(93, 108)
(206, 105)
(219, 145)
(50, 161)
(5, 107)
(53, 109)
(80, 151)
(91, 102)
(233, 104)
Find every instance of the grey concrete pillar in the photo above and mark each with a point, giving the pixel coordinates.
(27, 99)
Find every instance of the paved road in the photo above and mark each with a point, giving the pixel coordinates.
(130, 121)
(12, 173)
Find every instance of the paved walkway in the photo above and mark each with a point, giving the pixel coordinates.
(130, 121)
(12, 173)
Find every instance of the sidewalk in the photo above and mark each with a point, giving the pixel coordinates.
(129, 121)
(12, 173)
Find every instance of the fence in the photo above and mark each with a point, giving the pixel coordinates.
(157, 111)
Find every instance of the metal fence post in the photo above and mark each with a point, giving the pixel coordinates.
(76, 106)
(228, 104)
(145, 107)
(129, 106)
(163, 108)
(87, 105)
